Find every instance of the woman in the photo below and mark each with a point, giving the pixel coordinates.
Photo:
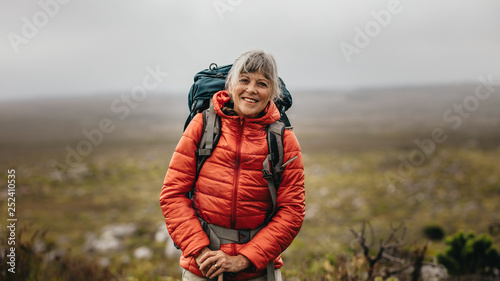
(230, 191)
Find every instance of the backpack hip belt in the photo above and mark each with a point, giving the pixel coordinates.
(220, 236)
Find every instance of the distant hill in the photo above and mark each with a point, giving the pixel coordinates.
(358, 119)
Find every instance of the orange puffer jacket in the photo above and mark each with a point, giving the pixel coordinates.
(231, 191)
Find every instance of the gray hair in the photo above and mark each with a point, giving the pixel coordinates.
(256, 61)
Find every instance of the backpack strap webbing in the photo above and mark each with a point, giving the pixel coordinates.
(210, 136)
(273, 164)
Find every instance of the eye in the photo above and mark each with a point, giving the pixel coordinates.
(244, 80)
(263, 84)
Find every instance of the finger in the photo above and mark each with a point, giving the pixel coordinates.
(214, 270)
(207, 262)
(206, 255)
(218, 272)
(202, 252)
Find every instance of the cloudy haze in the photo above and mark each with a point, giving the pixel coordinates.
(76, 47)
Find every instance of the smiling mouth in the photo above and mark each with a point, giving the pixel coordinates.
(250, 100)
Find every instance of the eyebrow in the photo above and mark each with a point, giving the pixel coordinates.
(245, 74)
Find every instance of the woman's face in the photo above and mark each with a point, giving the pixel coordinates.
(251, 94)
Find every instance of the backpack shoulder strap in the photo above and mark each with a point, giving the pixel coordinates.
(273, 164)
(209, 138)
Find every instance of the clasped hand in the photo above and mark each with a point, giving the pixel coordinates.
(214, 263)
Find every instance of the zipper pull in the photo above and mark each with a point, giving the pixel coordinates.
(289, 161)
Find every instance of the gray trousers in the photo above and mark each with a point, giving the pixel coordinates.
(188, 276)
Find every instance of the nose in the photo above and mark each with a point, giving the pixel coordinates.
(252, 89)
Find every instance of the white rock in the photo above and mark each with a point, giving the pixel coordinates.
(433, 272)
(171, 251)
(54, 255)
(104, 261)
(161, 234)
(143, 253)
(120, 230)
(105, 243)
(125, 259)
(39, 246)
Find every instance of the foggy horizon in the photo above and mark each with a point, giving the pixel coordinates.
(56, 48)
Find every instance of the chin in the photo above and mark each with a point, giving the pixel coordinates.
(249, 114)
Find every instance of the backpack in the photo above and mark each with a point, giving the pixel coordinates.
(208, 82)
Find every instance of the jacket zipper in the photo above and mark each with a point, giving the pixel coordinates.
(237, 174)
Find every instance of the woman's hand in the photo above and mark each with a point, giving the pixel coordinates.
(198, 259)
(214, 263)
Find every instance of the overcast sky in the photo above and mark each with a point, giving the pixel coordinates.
(86, 47)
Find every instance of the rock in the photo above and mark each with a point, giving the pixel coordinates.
(433, 272)
(105, 243)
(143, 253)
(161, 234)
(54, 255)
(104, 261)
(110, 239)
(120, 230)
(125, 259)
(171, 251)
(108, 243)
(39, 246)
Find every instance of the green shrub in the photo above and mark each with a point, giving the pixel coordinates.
(434, 232)
(468, 254)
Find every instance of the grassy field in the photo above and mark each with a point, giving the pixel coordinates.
(371, 155)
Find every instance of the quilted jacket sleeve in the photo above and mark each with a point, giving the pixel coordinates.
(273, 239)
(180, 217)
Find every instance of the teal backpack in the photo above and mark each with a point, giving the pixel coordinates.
(213, 79)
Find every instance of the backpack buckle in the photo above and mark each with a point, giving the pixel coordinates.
(266, 171)
(267, 174)
(203, 152)
(243, 236)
